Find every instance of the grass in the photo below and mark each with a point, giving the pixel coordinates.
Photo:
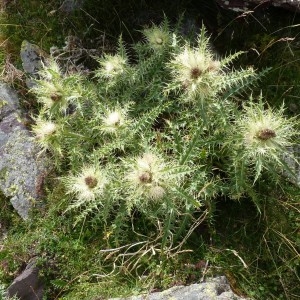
(259, 252)
(270, 39)
(267, 243)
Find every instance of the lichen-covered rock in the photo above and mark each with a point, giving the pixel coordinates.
(21, 168)
(33, 59)
(216, 288)
(293, 162)
(246, 5)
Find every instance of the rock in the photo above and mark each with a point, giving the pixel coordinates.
(216, 288)
(28, 285)
(292, 159)
(246, 5)
(69, 6)
(33, 59)
(21, 168)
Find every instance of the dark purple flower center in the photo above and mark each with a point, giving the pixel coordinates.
(145, 177)
(266, 134)
(56, 96)
(195, 73)
(91, 181)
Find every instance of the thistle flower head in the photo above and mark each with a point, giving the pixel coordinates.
(157, 192)
(111, 66)
(55, 91)
(149, 176)
(48, 93)
(43, 129)
(264, 133)
(157, 37)
(114, 120)
(88, 185)
(46, 134)
(195, 70)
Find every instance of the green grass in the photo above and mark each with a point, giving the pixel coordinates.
(271, 39)
(267, 243)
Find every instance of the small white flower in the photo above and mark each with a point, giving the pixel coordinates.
(111, 66)
(113, 120)
(157, 192)
(46, 134)
(88, 185)
(44, 129)
(147, 161)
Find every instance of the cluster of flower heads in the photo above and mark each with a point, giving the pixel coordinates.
(56, 93)
(148, 178)
(193, 72)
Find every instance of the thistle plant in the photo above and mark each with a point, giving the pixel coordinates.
(160, 136)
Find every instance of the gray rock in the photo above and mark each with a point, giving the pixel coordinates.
(246, 5)
(28, 285)
(68, 6)
(21, 168)
(216, 288)
(33, 59)
(292, 159)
